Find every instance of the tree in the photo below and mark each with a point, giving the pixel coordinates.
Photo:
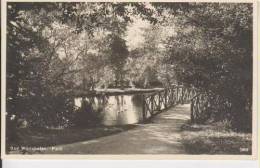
(43, 54)
(118, 55)
(155, 72)
(212, 51)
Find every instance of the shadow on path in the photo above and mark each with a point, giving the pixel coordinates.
(161, 136)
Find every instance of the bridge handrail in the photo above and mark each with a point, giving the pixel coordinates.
(163, 99)
(200, 104)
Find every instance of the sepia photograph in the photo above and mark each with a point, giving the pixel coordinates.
(128, 78)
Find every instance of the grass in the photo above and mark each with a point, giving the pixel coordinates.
(51, 137)
(215, 139)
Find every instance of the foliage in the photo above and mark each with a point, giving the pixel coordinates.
(118, 54)
(212, 51)
(154, 73)
(86, 116)
(55, 49)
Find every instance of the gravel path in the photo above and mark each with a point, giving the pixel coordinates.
(161, 136)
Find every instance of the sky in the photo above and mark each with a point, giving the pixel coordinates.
(134, 34)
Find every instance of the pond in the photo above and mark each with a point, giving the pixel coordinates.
(116, 110)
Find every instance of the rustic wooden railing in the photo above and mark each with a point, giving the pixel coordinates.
(198, 106)
(205, 105)
(156, 102)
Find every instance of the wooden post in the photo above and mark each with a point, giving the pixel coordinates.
(177, 95)
(159, 99)
(144, 113)
(182, 95)
(191, 110)
(197, 107)
(155, 101)
(174, 96)
(172, 92)
(165, 98)
(152, 108)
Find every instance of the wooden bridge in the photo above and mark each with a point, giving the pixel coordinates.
(155, 102)
(159, 101)
(201, 102)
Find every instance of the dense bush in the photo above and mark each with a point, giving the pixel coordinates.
(212, 51)
(86, 116)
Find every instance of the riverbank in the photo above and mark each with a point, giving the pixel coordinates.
(31, 141)
(167, 133)
(160, 136)
(215, 139)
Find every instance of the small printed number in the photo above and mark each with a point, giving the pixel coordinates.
(244, 149)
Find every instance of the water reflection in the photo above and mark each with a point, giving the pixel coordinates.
(116, 110)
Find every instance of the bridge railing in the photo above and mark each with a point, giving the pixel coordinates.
(156, 102)
(207, 104)
(198, 106)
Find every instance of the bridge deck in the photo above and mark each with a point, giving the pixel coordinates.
(161, 136)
